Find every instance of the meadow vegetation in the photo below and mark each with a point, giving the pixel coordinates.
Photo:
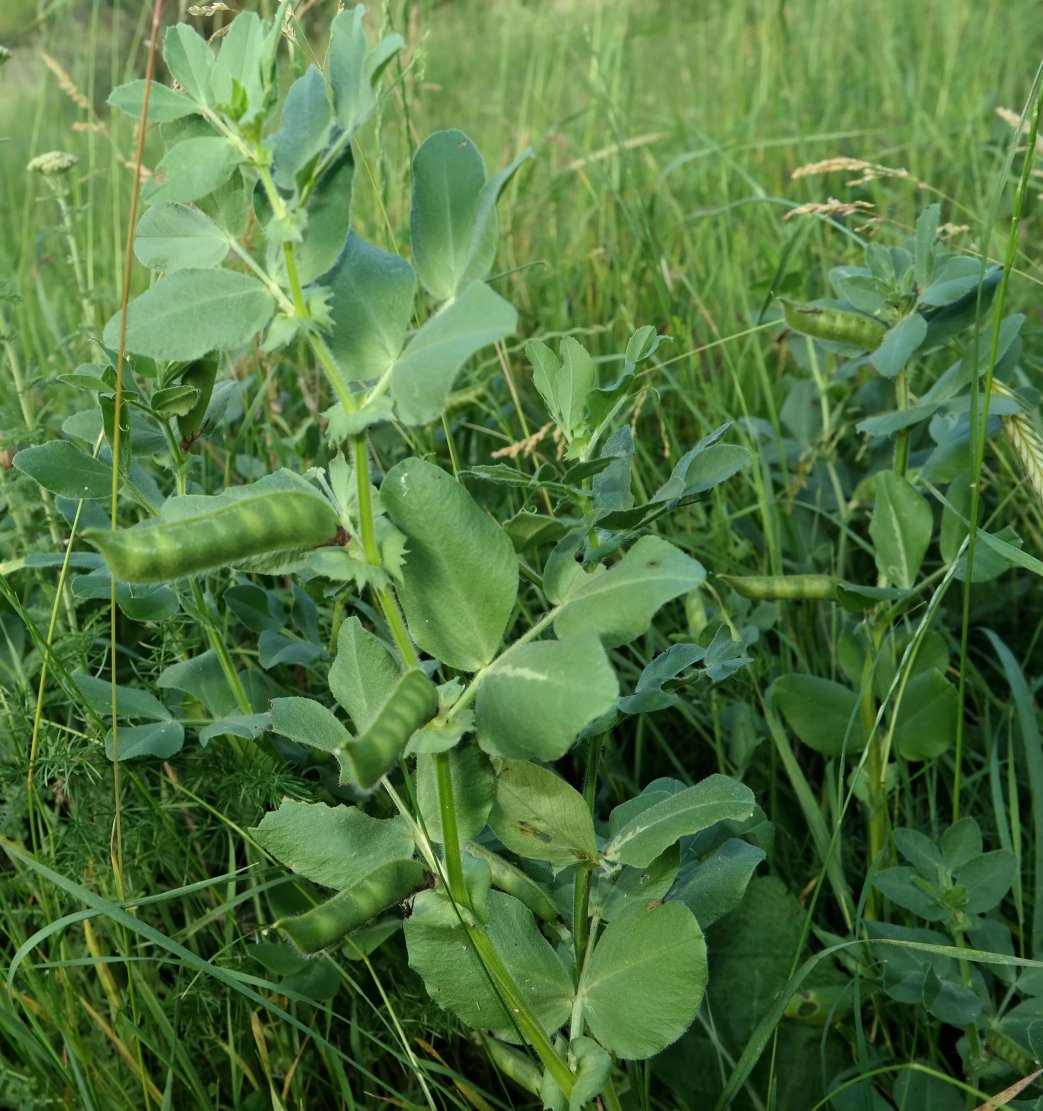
(563, 672)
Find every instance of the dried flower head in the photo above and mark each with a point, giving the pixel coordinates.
(832, 207)
(868, 171)
(53, 162)
(1025, 440)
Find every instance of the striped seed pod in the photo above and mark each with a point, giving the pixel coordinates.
(854, 329)
(234, 530)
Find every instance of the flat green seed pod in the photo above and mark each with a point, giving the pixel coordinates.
(234, 530)
(835, 325)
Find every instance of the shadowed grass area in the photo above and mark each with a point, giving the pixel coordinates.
(666, 138)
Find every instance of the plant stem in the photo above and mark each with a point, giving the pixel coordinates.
(450, 830)
(902, 437)
(876, 768)
(584, 874)
(520, 1009)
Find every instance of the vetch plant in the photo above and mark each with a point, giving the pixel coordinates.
(891, 321)
(533, 917)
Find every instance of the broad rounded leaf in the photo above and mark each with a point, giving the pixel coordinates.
(192, 169)
(645, 980)
(538, 815)
(425, 372)
(191, 312)
(535, 699)
(336, 846)
(927, 717)
(371, 305)
(62, 468)
(174, 237)
(619, 604)
(443, 954)
(460, 576)
(448, 175)
(823, 714)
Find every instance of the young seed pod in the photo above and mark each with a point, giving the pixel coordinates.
(413, 702)
(232, 531)
(851, 328)
(771, 588)
(1009, 1051)
(329, 922)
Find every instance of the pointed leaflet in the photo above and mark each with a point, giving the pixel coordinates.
(191, 169)
(329, 218)
(460, 576)
(190, 61)
(175, 237)
(60, 466)
(539, 816)
(442, 953)
(304, 127)
(483, 236)
(706, 465)
(164, 104)
(354, 68)
(565, 385)
(371, 305)
(363, 674)
(238, 80)
(692, 810)
(160, 739)
(191, 312)
(900, 528)
(645, 980)
(619, 604)
(335, 846)
(536, 698)
(425, 372)
(899, 345)
(307, 722)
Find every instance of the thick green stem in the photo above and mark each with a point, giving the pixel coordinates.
(584, 875)
(501, 977)
(877, 822)
(450, 830)
(522, 1012)
(902, 437)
